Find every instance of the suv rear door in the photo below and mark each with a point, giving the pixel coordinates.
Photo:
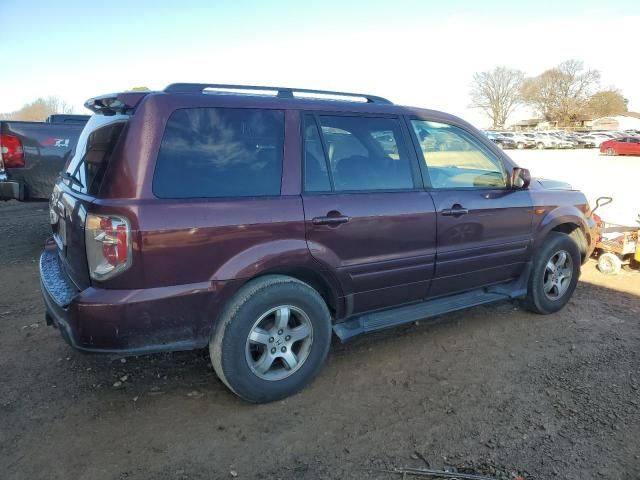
(484, 226)
(77, 187)
(366, 215)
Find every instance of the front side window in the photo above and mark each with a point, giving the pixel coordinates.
(358, 154)
(316, 175)
(456, 159)
(220, 152)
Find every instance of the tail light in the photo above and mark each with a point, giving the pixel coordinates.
(108, 244)
(11, 151)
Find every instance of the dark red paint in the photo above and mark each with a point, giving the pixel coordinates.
(191, 256)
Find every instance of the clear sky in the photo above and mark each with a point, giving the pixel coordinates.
(419, 52)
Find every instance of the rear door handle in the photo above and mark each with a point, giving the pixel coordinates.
(330, 220)
(455, 211)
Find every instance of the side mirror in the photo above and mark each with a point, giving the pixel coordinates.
(520, 178)
(601, 202)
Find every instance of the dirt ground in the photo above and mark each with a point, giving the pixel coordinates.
(493, 390)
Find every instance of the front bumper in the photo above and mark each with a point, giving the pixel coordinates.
(11, 190)
(129, 322)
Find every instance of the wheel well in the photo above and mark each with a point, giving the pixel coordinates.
(312, 278)
(576, 233)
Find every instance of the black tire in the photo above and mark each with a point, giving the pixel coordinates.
(229, 342)
(537, 300)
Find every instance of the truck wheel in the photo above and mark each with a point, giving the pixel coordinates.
(271, 339)
(554, 274)
(609, 264)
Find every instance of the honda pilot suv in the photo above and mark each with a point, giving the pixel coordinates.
(259, 221)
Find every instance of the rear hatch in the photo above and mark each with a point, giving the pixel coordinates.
(78, 186)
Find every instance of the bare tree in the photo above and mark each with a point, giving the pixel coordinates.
(497, 93)
(561, 94)
(606, 102)
(39, 109)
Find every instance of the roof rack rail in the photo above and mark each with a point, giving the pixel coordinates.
(282, 92)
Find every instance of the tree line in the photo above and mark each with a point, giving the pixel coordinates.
(563, 94)
(39, 110)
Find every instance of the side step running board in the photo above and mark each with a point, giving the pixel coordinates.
(371, 322)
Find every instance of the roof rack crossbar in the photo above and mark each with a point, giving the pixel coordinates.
(282, 92)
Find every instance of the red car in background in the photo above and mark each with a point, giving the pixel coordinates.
(621, 146)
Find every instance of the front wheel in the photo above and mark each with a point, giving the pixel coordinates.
(272, 339)
(554, 274)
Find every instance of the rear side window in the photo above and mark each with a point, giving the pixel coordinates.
(355, 154)
(220, 152)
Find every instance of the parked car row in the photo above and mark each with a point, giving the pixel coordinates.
(555, 139)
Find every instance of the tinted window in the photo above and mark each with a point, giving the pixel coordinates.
(365, 153)
(220, 152)
(93, 152)
(456, 159)
(316, 176)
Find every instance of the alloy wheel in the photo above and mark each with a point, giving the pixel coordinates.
(279, 342)
(557, 275)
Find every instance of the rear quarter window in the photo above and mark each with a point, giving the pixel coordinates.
(94, 151)
(220, 152)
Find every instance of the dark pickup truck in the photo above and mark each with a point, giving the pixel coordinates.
(33, 153)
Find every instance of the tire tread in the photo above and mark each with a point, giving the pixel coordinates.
(246, 293)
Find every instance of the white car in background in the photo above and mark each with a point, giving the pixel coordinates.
(543, 140)
(597, 138)
(563, 142)
(521, 140)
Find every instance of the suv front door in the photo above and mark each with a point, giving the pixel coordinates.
(484, 227)
(367, 216)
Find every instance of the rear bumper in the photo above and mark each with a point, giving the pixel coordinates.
(129, 322)
(11, 190)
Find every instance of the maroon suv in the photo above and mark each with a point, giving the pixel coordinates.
(257, 221)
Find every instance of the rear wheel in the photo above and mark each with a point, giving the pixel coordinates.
(554, 275)
(271, 339)
(609, 263)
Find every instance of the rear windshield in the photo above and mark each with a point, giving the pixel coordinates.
(220, 152)
(93, 152)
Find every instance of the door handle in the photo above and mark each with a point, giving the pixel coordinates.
(455, 211)
(330, 220)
